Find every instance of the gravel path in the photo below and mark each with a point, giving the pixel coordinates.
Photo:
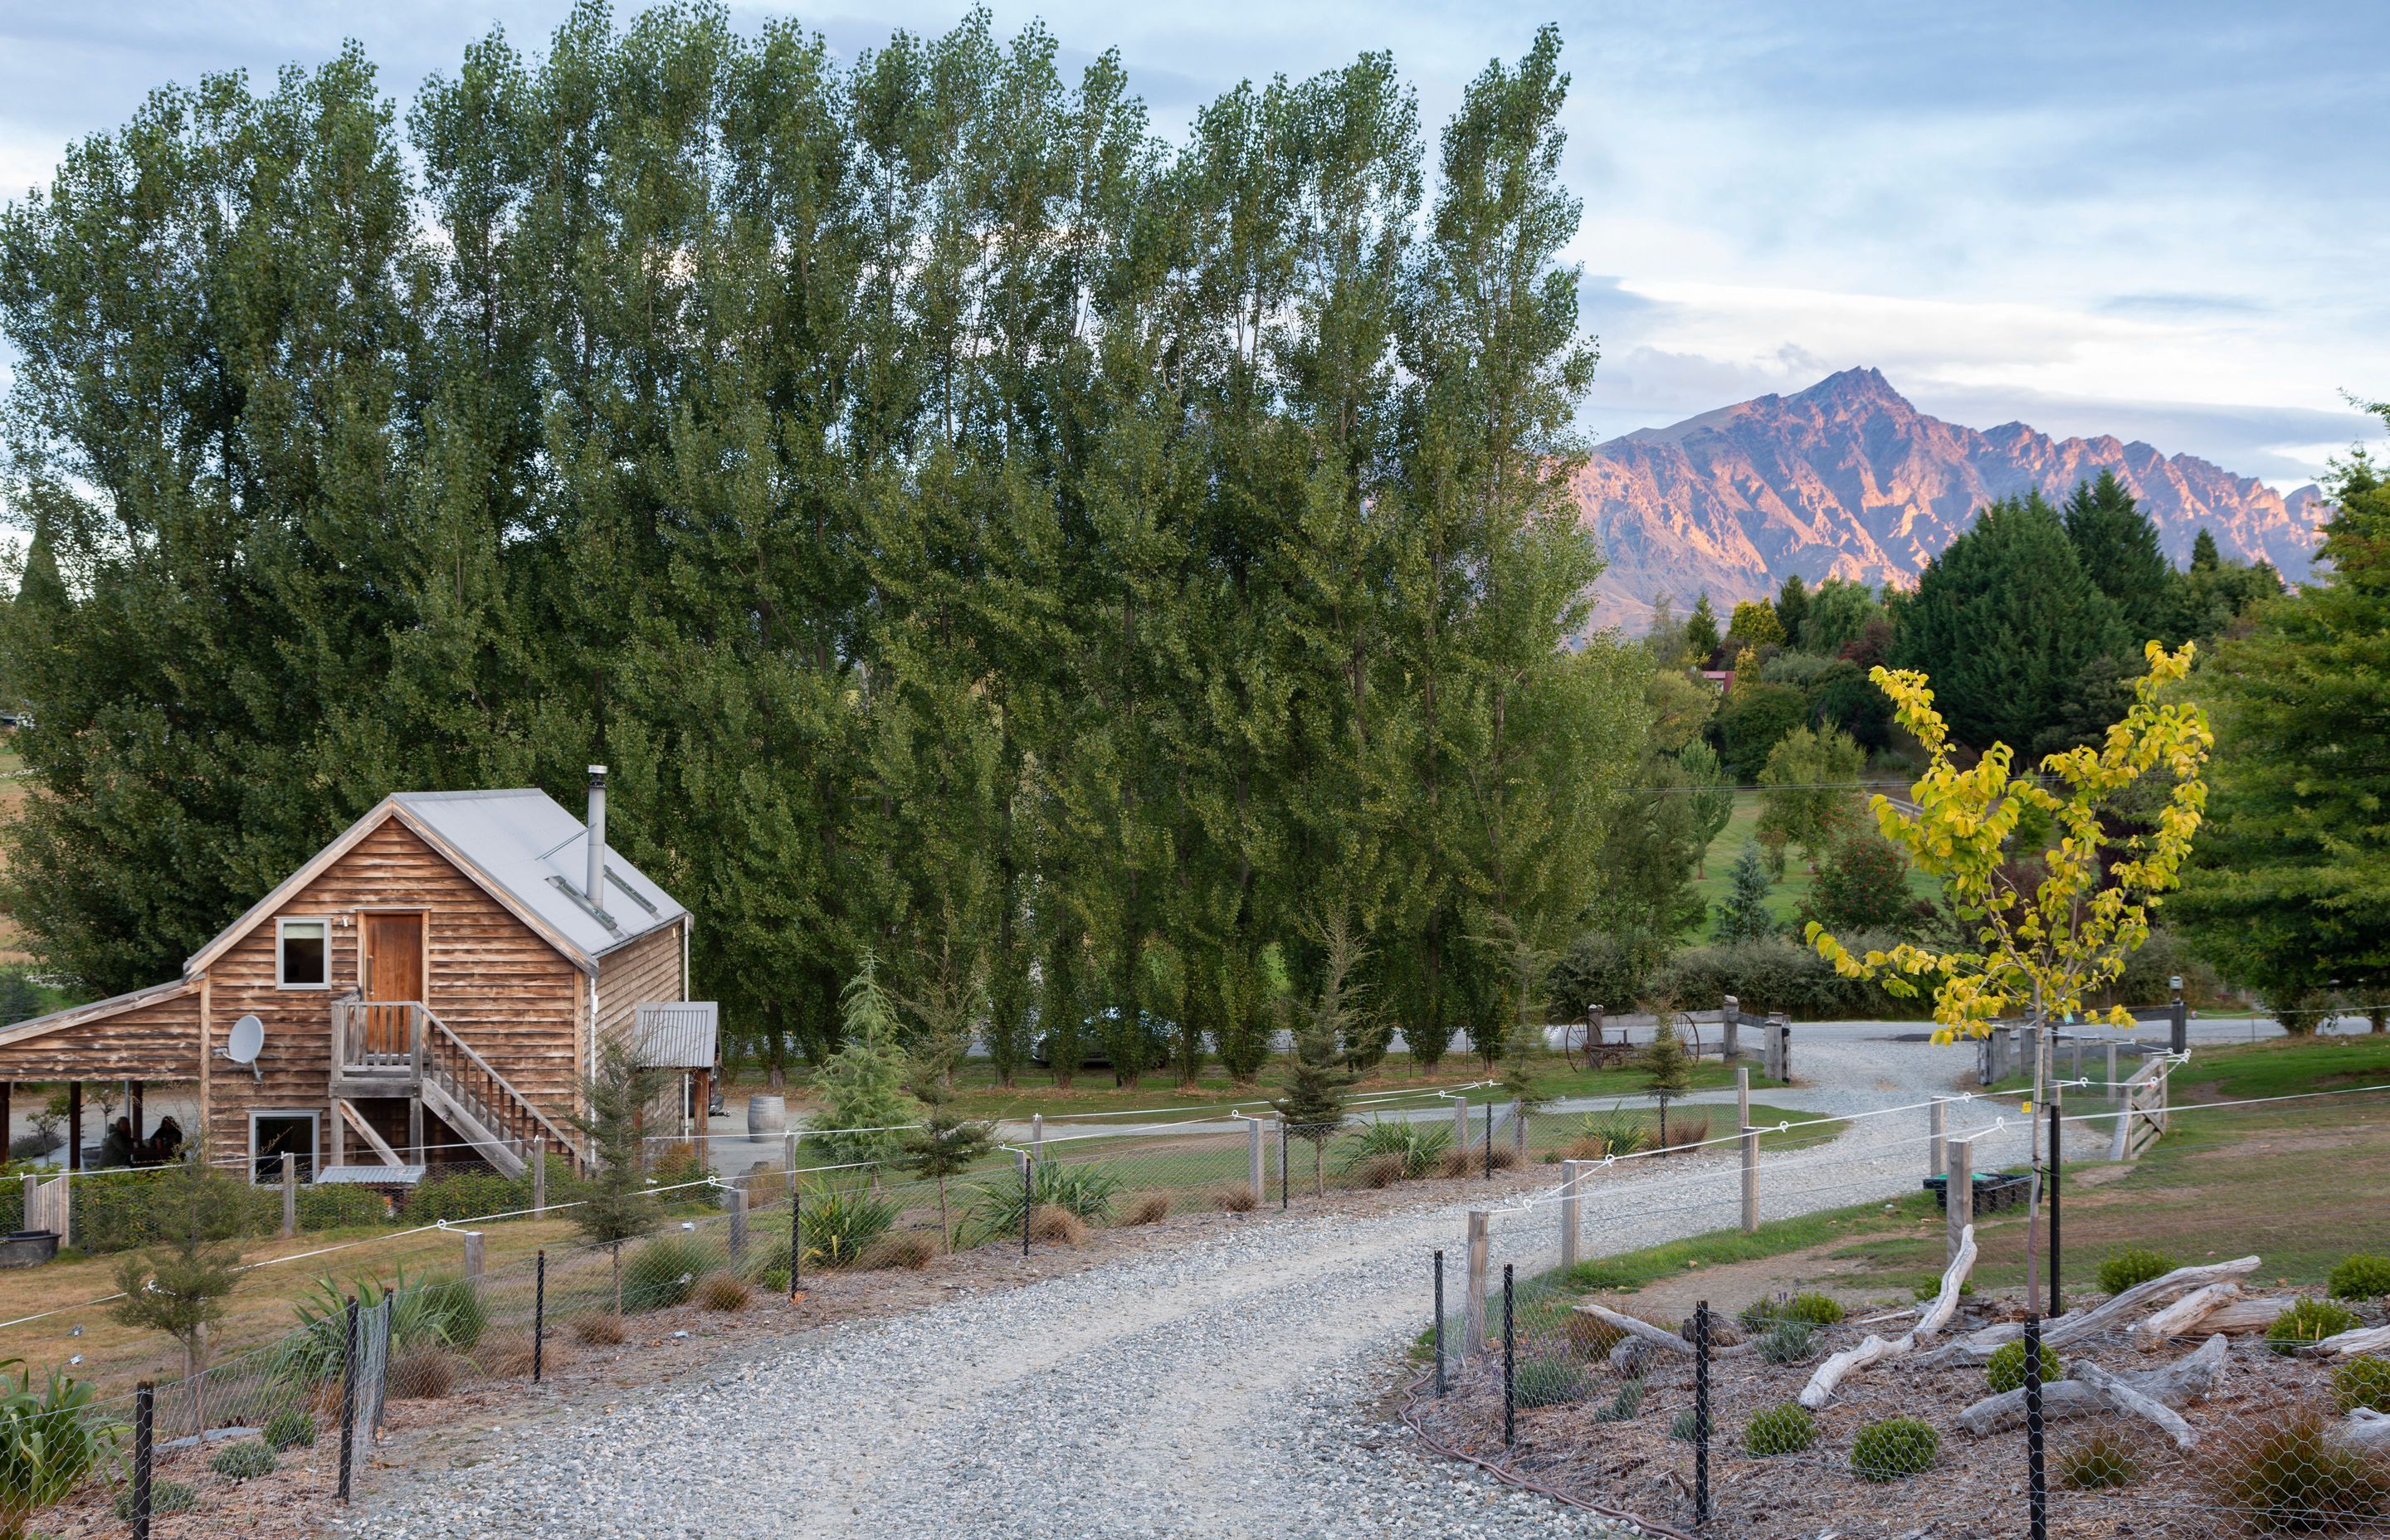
(1235, 1387)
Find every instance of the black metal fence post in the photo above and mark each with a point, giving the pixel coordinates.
(1702, 1413)
(145, 1425)
(539, 1317)
(1026, 1186)
(1439, 1323)
(1489, 1140)
(2056, 1162)
(796, 1234)
(1510, 1361)
(2036, 1482)
(349, 1398)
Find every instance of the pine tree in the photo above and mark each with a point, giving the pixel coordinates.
(1666, 1068)
(1792, 608)
(178, 1286)
(1702, 638)
(1744, 915)
(945, 1146)
(2203, 554)
(2119, 548)
(862, 1086)
(614, 1204)
(1312, 1101)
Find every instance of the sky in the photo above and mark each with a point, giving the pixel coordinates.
(2160, 221)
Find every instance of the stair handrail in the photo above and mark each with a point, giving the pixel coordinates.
(445, 1034)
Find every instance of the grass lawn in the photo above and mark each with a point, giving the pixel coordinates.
(2297, 1183)
(1744, 825)
(979, 1095)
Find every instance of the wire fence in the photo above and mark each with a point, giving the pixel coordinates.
(1815, 1387)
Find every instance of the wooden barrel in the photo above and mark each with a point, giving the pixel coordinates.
(766, 1115)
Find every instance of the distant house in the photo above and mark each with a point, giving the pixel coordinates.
(1722, 678)
(433, 986)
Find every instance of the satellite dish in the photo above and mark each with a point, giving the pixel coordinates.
(247, 1038)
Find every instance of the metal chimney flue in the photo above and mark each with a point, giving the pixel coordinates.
(594, 888)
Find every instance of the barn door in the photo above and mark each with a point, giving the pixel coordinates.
(393, 956)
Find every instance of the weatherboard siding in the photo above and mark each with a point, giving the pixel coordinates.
(487, 975)
(645, 972)
(158, 1040)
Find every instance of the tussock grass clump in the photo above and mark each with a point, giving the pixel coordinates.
(1896, 1448)
(1785, 1429)
(2362, 1382)
(1788, 1342)
(2098, 1463)
(1625, 1405)
(1456, 1162)
(1686, 1129)
(165, 1496)
(1145, 1207)
(505, 1355)
(422, 1373)
(1416, 1148)
(2134, 1265)
(1235, 1198)
(604, 1330)
(912, 1250)
(2005, 1370)
(1056, 1225)
(291, 1428)
(2360, 1278)
(2309, 1321)
(660, 1273)
(1505, 1157)
(243, 1461)
(721, 1292)
(2293, 1476)
(1685, 1426)
(1550, 1382)
(1378, 1171)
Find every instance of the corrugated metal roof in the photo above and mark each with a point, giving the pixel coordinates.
(522, 843)
(676, 1035)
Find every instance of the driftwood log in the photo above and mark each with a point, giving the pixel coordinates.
(1875, 1349)
(1638, 1330)
(2090, 1389)
(2365, 1338)
(2076, 1325)
(2238, 1317)
(2179, 1316)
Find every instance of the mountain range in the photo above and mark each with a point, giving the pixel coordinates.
(1847, 478)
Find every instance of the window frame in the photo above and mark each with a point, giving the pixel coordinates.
(281, 932)
(314, 1160)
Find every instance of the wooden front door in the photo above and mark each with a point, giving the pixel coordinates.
(393, 960)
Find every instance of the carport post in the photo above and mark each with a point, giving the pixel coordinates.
(1473, 1317)
(1572, 1209)
(290, 1195)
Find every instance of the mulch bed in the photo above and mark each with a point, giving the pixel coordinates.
(1976, 1488)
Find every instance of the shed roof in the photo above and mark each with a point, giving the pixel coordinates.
(677, 1034)
(521, 847)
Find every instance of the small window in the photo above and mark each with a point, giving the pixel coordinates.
(300, 954)
(270, 1134)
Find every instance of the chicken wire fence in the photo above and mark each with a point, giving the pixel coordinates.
(2202, 1400)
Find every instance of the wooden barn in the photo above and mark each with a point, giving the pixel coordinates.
(432, 987)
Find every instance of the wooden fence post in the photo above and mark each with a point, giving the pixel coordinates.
(1731, 1023)
(1519, 1129)
(1750, 1180)
(1036, 1135)
(1742, 1096)
(1572, 1209)
(472, 1255)
(1253, 1155)
(290, 1195)
(737, 1197)
(1938, 1133)
(2112, 1093)
(1480, 1249)
(1461, 1122)
(539, 1178)
(1959, 1196)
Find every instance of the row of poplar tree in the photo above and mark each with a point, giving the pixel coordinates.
(1068, 566)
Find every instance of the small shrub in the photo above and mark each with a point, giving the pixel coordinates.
(1785, 1429)
(662, 1274)
(1145, 1207)
(1896, 1448)
(165, 1496)
(1685, 1426)
(2005, 1370)
(1550, 1382)
(834, 1226)
(2360, 1278)
(1602, 1135)
(447, 1310)
(1378, 1171)
(2362, 1381)
(1810, 1309)
(1415, 1148)
(604, 1330)
(505, 1355)
(1056, 1227)
(421, 1374)
(1788, 1342)
(2098, 1462)
(2135, 1264)
(2309, 1321)
(721, 1292)
(2293, 1476)
(1456, 1162)
(1625, 1405)
(1505, 1157)
(458, 1195)
(291, 1428)
(910, 1249)
(243, 1461)
(1235, 1198)
(1590, 1335)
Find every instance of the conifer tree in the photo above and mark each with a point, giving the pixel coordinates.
(1744, 915)
(862, 1086)
(1667, 1067)
(1702, 638)
(1311, 1101)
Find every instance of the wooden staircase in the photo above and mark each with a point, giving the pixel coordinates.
(401, 1048)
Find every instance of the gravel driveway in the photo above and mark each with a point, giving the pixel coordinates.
(1235, 1387)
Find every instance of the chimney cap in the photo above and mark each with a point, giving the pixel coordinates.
(597, 770)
